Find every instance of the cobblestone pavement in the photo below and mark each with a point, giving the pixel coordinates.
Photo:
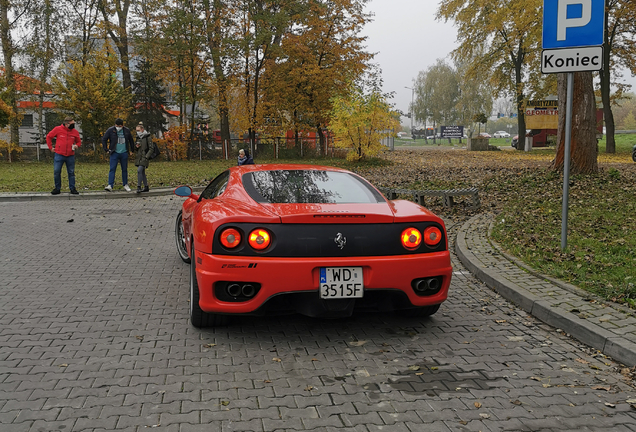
(95, 337)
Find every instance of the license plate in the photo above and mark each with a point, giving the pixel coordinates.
(341, 282)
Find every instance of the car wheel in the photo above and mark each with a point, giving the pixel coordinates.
(180, 238)
(421, 312)
(199, 318)
(634, 155)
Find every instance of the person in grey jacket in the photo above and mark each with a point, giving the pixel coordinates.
(143, 147)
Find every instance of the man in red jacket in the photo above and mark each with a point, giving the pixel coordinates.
(67, 141)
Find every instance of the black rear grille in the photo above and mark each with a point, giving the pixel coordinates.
(318, 240)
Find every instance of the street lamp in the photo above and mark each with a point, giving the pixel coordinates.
(411, 107)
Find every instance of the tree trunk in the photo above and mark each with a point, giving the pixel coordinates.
(583, 148)
(521, 114)
(9, 73)
(605, 76)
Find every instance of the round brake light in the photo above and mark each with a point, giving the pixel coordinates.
(432, 236)
(411, 238)
(260, 239)
(230, 238)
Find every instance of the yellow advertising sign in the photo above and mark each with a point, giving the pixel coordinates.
(542, 115)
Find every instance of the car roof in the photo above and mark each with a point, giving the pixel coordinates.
(243, 169)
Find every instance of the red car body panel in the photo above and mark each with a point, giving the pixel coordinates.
(279, 275)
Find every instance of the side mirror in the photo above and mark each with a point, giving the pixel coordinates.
(183, 191)
(186, 192)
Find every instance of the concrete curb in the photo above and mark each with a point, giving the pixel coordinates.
(41, 196)
(586, 332)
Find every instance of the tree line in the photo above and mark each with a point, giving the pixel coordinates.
(500, 49)
(260, 65)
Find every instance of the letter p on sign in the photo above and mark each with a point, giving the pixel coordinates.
(573, 23)
(563, 22)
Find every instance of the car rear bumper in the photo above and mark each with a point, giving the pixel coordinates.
(279, 276)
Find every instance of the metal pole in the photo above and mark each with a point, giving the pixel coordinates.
(566, 161)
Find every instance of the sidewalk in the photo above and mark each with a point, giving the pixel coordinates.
(610, 328)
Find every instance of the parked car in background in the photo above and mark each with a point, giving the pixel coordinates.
(501, 134)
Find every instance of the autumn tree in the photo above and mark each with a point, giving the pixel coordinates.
(503, 40)
(618, 50)
(359, 121)
(8, 10)
(583, 150)
(319, 57)
(115, 19)
(43, 48)
(83, 17)
(92, 93)
(438, 94)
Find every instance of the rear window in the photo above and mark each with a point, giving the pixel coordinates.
(308, 186)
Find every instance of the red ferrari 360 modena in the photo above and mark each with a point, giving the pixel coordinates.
(314, 240)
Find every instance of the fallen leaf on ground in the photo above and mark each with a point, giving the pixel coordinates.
(225, 403)
(276, 359)
(580, 360)
(477, 405)
(516, 402)
(414, 368)
(357, 343)
(611, 405)
(500, 321)
(209, 345)
(309, 388)
(606, 388)
(484, 416)
(535, 378)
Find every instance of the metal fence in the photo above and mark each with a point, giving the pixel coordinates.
(199, 149)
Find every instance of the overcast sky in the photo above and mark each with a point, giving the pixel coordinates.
(407, 39)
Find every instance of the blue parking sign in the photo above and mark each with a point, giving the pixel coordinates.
(573, 23)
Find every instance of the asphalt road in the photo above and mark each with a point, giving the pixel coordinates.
(94, 335)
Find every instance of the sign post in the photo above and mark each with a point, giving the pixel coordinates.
(573, 33)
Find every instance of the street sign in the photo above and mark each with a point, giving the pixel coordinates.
(583, 59)
(573, 23)
(452, 131)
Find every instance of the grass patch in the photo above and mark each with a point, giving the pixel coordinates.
(601, 253)
(38, 176)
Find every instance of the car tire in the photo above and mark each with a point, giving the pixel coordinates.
(180, 238)
(634, 155)
(421, 312)
(198, 317)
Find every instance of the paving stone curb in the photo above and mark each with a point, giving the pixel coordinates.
(39, 196)
(472, 246)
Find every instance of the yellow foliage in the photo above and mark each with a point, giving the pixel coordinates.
(173, 144)
(359, 122)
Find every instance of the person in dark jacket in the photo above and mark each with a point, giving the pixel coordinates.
(244, 158)
(67, 140)
(118, 142)
(144, 152)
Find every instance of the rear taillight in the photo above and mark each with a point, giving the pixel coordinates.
(260, 239)
(411, 238)
(432, 236)
(230, 238)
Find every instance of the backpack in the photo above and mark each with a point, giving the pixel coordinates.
(155, 150)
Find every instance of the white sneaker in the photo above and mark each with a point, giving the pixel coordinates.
(109, 188)
(127, 188)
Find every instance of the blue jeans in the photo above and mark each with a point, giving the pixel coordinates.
(58, 161)
(123, 159)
